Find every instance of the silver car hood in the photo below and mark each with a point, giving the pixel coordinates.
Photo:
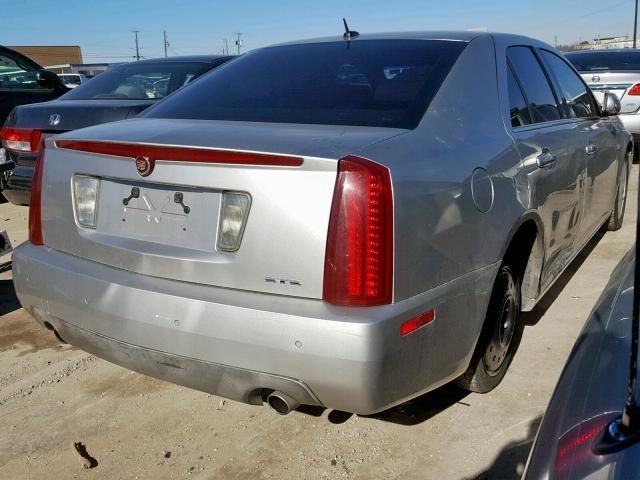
(327, 141)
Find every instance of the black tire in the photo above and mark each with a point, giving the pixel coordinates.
(617, 214)
(500, 336)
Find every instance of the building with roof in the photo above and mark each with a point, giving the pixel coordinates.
(50, 54)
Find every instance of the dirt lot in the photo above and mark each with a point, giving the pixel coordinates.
(52, 395)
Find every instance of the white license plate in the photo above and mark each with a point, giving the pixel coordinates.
(163, 214)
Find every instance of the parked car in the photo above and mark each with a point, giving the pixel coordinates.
(284, 230)
(590, 395)
(116, 94)
(22, 81)
(617, 71)
(72, 80)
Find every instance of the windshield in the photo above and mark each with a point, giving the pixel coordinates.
(139, 81)
(605, 61)
(386, 83)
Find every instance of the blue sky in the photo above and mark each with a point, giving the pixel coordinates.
(103, 28)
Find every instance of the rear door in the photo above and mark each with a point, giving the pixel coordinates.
(552, 147)
(601, 148)
(19, 85)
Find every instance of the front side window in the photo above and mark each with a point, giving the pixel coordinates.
(381, 83)
(537, 89)
(138, 81)
(574, 91)
(16, 76)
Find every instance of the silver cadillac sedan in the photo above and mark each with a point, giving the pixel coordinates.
(346, 222)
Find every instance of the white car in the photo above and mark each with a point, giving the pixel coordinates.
(72, 80)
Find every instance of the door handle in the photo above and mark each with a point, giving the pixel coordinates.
(545, 159)
(591, 149)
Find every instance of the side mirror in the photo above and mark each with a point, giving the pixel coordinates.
(610, 104)
(49, 79)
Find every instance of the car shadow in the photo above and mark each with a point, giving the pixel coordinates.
(8, 299)
(533, 317)
(510, 462)
(412, 412)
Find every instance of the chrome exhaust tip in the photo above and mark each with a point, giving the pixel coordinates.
(282, 403)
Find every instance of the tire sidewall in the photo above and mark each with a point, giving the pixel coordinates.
(478, 378)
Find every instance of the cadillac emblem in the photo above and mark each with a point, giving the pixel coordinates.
(144, 165)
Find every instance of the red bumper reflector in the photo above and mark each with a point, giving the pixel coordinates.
(416, 323)
(179, 154)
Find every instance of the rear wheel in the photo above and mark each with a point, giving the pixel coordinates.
(617, 215)
(500, 336)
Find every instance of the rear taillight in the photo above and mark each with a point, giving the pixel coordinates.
(35, 203)
(21, 139)
(635, 90)
(359, 258)
(575, 456)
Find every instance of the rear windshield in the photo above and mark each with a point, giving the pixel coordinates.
(382, 83)
(139, 81)
(604, 61)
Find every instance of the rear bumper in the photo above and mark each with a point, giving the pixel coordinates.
(240, 344)
(18, 188)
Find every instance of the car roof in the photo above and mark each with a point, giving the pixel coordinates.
(186, 58)
(449, 35)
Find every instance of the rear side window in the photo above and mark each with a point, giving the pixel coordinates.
(574, 91)
(383, 83)
(518, 109)
(542, 102)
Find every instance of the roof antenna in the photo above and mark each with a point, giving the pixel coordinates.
(625, 430)
(348, 34)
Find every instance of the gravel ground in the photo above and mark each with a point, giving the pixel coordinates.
(132, 426)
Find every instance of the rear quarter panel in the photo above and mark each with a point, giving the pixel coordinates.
(440, 231)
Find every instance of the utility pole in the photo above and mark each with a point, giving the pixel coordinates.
(635, 25)
(225, 50)
(166, 42)
(239, 41)
(135, 33)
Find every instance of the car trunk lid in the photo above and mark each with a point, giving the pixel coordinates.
(283, 245)
(615, 82)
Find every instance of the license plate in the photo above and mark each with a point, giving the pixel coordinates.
(162, 214)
